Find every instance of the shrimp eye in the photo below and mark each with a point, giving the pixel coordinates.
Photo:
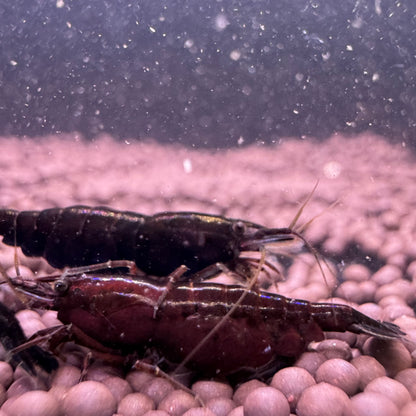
(239, 228)
(61, 286)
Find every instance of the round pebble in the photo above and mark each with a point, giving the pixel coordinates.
(356, 273)
(339, 373)
(238, 411)
(135, 404)
(323, 399)
(199, 411)
(334, 348)
(3, 395)
(34, 403)
(207, 390)
(391, 389)
(67, 376)
(392, 354)
(220, 406)
(245, 389)
(266, 401)
(368, 368)
(407, 377)
(89, 398)
(409, 409)
(137, 379)
(310, 361)
(156, 413)
(387, 274)
(6, 374)
(373, 404)
(23, 385)
(157, 389)
(292, 381)
(118, 387)
(178, 402)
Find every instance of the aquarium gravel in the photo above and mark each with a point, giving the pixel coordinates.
(363, 223)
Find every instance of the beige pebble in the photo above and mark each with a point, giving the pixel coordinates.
(178, 402)
(238, 411)
(387, 274)
(6, 374)
(407, 377)
(392, 354)
(67, 376)
(207, 390)
(135, 404)
(368, 368)
(339, 373)
(266, 401)
(292, 381)
(356, 273)
(391, 389)
(400, 287)
(409, 409)
(49, 318)
(157, 389)
(89, 398)
(137, 379)
(23, 385)
(118, 387)
(394, 311)
(34, 403)
(199, 411)
(373, 404)
(334, 348)
(245, 389)
(323, 400)
(220, 406)
(310, 361)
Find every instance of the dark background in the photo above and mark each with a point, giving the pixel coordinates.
(208, 73)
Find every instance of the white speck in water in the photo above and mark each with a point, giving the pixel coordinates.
(332, 169)
(221, 22)
(375, 77)
(13, 63)
(152, 29)
(187, 165)
(60, 4)
(235, 55)
(240, 140)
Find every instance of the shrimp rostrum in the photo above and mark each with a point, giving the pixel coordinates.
(158, 244)
(265, 331)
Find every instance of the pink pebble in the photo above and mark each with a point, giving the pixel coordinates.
(207, 390)
(238, 411)
(34, 403)
(245, 389)
(392, 354)
(292, 381)
(266, 401)
(356, 272)
(407, 377)
(220, 406)
(89, 398)
(334, 348)
(310, 361)
(373, 404)
(6, 374)
(67, 376)
(368, 368)
(178, 402)
(391, 389)
(387, 274)
(135, 404)
(199, 411)
(157, 389)
(118, 387)
(409, 409)
(323, 400)
(339, 373)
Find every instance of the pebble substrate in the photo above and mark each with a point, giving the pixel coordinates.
(369, 234)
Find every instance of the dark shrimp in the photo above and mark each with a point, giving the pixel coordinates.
(264, 332)
(80, 235)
